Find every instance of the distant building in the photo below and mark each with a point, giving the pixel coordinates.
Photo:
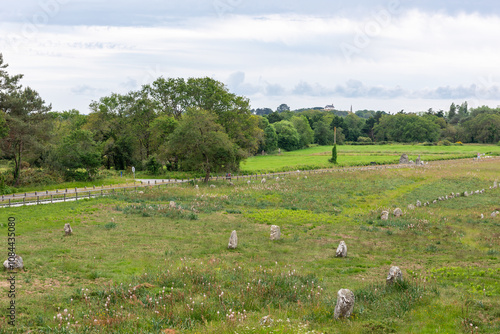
(329, 107)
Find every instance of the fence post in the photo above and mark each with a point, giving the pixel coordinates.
(76, 197)
(102, 193)
(9, 202)
(64, 197)
(89, 195)
(37, 200)
(51, 199)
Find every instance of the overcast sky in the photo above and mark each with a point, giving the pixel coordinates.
(383, 55)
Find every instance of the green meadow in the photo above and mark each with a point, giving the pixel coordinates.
(355, 155)
(157, 261)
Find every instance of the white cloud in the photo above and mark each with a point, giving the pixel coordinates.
(410, 55)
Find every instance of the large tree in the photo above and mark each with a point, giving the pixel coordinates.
(202, 144)
(484, 128)
(26, 118)
(79, 150)
(406, 128)
(302, 126)
(288, 137)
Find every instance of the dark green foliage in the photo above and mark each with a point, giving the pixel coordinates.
(79, 150)
(288, 137)
(334, 154)
(203, 145)
(270, 139)
(406, 128)
(152, 165)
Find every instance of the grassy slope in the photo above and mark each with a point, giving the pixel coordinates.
(316, 157)
(447, 253)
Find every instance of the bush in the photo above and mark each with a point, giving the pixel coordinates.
(334, 155)
(34, 176)
(152, 166)
(459, 143)
(364, 140)
(444, 143)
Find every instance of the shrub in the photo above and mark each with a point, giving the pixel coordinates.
(334, 155)
(364, 139)
(152, 166)
(459, 143)
(110, 226)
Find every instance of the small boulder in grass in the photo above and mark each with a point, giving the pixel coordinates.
(398, 212)
(395, 274)
(233, 241)
(67, 229)
(341, 250)
(419, 204)
(494, 214)
(345, 304)
(275, 232)
(385, 215)
(411, 207)
(16, 264)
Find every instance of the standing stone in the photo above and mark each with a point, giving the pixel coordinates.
(341, 250)
(196, 187)
(495, 184)
(398, 212)
(18, 263)
(494, 214)
(263, 181)
(345, 304)
(466, 194)
(233, 241)
(385, 215)
(395, 274)
(411, 207)
(67, 229)
(419, 204)
(275, 232)
(403, 159)
(417, 162)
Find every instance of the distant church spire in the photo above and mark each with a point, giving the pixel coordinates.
(351, 108)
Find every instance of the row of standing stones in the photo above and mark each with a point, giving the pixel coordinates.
(345, 297)
(398, 212)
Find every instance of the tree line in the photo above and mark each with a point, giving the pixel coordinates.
(196, 124)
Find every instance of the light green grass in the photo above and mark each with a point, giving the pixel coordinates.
(317, 157)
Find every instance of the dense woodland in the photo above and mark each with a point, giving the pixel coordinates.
(197, 124)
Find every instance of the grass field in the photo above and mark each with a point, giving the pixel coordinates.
(137, 265)
(317, 157)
